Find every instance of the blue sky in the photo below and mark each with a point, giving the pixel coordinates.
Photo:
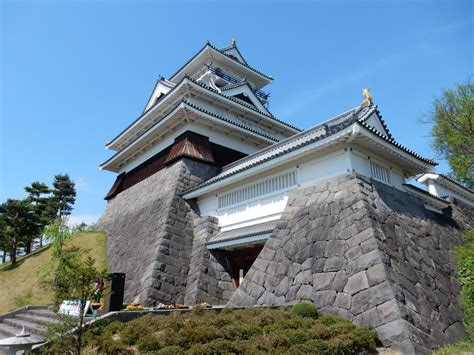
(75, 73)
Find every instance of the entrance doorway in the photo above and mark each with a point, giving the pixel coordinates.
(240, 261)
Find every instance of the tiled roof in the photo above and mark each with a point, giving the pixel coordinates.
(233, 46)
(229, 121)
(384, 125)
(244, 232)
(237, 61)
(208, 44)
(455, 182)
(396, 144)
(358, 115)
(416, 188)
(183, 101)
(297, 141)
(269, 115)
(211, 90)
(236, 85)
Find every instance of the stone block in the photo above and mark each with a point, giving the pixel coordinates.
(340, 281)
(343, 300)
(455, 332)
(324, 298)
(353, 253)
(304, 277)
(334, 263)
(389, 311)
(323, 281)
(372, 297)
(356, 283)
(369, 317)
(305, 293)
(335, 248)
(394, 332)
(360, 237)
(267, 299)
(363, 262)
(376, 274)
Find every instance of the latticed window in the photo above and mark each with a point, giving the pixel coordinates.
(379, 172)
(262, 188)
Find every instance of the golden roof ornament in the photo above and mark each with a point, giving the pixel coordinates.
(234, 41)
(367, 96)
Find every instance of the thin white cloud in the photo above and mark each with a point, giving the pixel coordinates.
(82, 184)
(308, 96)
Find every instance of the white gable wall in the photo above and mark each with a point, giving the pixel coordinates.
(374, 122)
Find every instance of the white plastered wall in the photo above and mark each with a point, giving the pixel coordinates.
(310, 171)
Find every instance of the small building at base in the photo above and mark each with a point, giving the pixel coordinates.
(217, 200)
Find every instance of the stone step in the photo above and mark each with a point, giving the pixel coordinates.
(46, 321)
(42, 313)
(29, 326)
(7, 331)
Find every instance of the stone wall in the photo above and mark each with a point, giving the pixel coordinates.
(368, 252)
(150, 233)
(207, 280)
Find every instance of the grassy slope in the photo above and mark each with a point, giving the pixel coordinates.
(20, 287)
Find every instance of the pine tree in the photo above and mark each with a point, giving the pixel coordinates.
(20, 225)
(63, 195)
(4, 237)
(38, 196)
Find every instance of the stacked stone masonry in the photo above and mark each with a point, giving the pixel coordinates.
(368, 252)
(151, 232)
(355, 247)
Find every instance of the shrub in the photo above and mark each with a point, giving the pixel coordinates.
(364, 338)
(149, 343)
(191, 334)
(239, 331)
(305, 309)
(299, 336)
(314, 346)
(465, 258)
(322, 331)
(217, 346)
(172, 350)
(249, 331)
(113, 346)
(140, 327)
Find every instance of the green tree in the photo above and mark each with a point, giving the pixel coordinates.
(4, 237)
(19, 225)
(63, 195)
(453, 130)
(58, 233)
(74, 276)
(38, 196)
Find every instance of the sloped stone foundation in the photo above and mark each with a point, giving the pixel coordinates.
(151, 233)
(368, 252)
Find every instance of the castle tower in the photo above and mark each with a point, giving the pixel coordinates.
(216, 200)
(211, 112)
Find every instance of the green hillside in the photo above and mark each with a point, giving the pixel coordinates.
(20, 287)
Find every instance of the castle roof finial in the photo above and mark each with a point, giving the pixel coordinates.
(367, 96)
(233, 41)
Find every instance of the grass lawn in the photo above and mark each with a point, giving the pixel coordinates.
(20, 286)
